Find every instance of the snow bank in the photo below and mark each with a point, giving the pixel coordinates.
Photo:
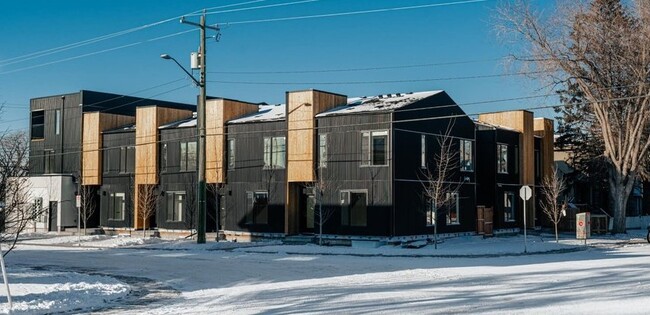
(38, 292)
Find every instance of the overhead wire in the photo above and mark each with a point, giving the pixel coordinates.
(345, 127)
(50, 51)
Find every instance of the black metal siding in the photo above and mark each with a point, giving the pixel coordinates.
(345, 170)
(249, 176)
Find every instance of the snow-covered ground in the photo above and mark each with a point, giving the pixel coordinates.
(464, 275)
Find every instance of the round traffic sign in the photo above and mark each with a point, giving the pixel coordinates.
(525, 192)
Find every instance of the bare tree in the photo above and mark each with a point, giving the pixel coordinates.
(147, 201)
(440, 188)
(600, 49)
(552, 188)
(88, 205)
(14, 155)
(191, 207)
(324, 186)
(19, 210)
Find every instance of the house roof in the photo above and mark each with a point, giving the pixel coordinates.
(379, 103)
(125, 128)
(187, 122)
(265, 113)
(493, 126)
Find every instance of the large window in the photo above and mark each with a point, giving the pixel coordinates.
(538, 165)
(502, 158)
(175, 205)
(38, 124)
(275, 149)
(423, 151)
(57, 122)
(466, 156)
(374, 148)
(231, 154)
(453, 211)
(509, 206)
(188, 156)
(431, 212)
(48, 161)
(127, 159)
(354, 208)
(322, 150)
(257, 205)
(116, 206)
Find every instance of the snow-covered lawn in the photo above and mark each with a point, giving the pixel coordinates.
(464, 275)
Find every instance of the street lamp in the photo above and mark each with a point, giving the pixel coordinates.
(200, 116)
(168, 57)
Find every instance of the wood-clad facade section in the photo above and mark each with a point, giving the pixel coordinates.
(218, 112)
(94, 123)
(148, 119)
(302, 107)
(522, 121)
(544, 128)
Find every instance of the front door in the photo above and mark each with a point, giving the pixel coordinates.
(307, 205)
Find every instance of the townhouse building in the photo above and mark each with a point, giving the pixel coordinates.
(357, 166)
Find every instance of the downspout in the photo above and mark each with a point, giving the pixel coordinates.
(391, 143)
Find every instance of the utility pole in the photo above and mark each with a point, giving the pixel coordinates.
(200, 116)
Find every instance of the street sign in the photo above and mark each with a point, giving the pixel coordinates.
(525, 192)
(583, 226)
(78, 199)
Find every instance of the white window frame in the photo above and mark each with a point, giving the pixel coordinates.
(177, 206)
(57, 122)
(502, 165)
(188, 160)
(345, 202)
(456, 208)
(275, 153)
(423, 151)
(431, 213)
(509, 196)
(112, 198)
(231, 154)
(322, 150)
(464, 145)
(368, 158)
(251, 198)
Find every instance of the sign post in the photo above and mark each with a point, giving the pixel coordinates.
(583, 226)
(78, 203)
(525, 193)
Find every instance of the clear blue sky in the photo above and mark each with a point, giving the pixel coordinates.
(443, 34)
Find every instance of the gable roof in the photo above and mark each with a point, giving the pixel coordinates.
(265, 113)
(379, 103)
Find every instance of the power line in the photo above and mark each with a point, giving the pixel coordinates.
(50, 51)
(344, 127)
(379, 81)
(360, 69)
(118, 97)
(304, 17)
(234, 23)
(259, 7)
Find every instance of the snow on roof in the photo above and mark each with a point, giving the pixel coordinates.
(265, 113)
(187, 122)
(386, 102)
(493, 126)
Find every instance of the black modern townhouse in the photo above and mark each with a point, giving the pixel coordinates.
(357, 167)
(66, 150)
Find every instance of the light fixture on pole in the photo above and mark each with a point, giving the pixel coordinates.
(200, 117)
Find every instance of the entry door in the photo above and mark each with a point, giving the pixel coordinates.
(307, 206)
(53, 215)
